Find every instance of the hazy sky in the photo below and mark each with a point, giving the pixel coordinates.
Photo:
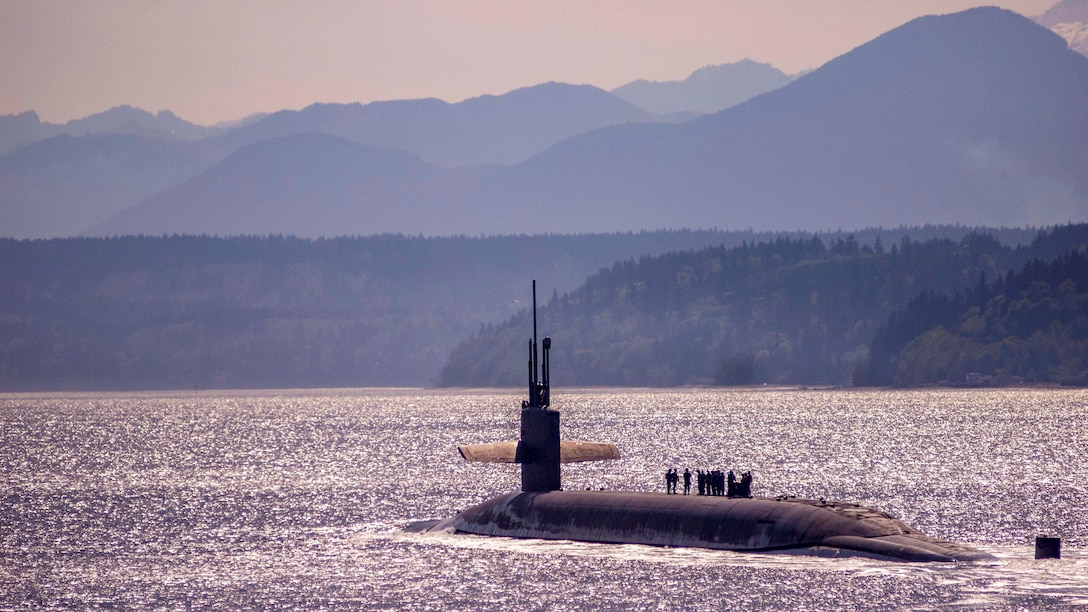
(219, 60)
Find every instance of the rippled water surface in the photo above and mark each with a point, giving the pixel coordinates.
(298, 499)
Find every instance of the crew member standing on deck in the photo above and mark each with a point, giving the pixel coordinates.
(687, 481)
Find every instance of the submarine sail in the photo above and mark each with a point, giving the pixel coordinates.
(539, 450)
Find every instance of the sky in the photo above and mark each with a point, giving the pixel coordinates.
(211, 61)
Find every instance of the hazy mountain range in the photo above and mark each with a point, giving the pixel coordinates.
(25, 128)
(1069, 19)
(65, 184)
(974, 118)
(707, 90)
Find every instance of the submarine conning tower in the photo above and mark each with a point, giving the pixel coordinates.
(538, 448)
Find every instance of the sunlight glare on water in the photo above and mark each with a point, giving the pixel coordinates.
(298, 498)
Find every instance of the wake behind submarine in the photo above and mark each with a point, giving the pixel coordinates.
(542, 510)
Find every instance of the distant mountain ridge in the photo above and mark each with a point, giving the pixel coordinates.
(970, 118)
(482, 130)
(65, 184)
(966, 118)
(707, 90)
(301, 184)
(1065, 11)
(25, 128)
(1069, 19)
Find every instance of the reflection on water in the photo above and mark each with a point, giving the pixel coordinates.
(273, 499)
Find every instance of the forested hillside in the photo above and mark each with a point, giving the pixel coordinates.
(184, 312)
(1030, 325)
(792, 310)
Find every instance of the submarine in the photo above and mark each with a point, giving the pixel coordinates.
(542, 510)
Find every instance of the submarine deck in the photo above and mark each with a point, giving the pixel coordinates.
(739, 524)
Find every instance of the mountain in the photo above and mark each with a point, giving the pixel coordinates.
(129, 120)
(1069, 19)
(707, 90)
(483, 130)
(65, 184)
(57, 180)
(304, 184)
(21, 129)
(1066, 11)
(26, 128)
(62, 185)
(973, 118)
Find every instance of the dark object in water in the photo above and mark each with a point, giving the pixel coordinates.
(1048, 548)
(543, 511)
(739, 524)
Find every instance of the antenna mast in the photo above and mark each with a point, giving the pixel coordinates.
(539, 383)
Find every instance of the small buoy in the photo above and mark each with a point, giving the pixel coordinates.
(1048, 548)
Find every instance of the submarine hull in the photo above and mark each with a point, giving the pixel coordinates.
(738, 524)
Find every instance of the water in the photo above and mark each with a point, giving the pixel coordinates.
(297, 499)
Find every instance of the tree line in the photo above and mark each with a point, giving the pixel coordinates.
(784, 311)
(646, 308)
(138, 312)
(1026, 326)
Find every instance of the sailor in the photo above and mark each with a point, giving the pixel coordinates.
(687, 481)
